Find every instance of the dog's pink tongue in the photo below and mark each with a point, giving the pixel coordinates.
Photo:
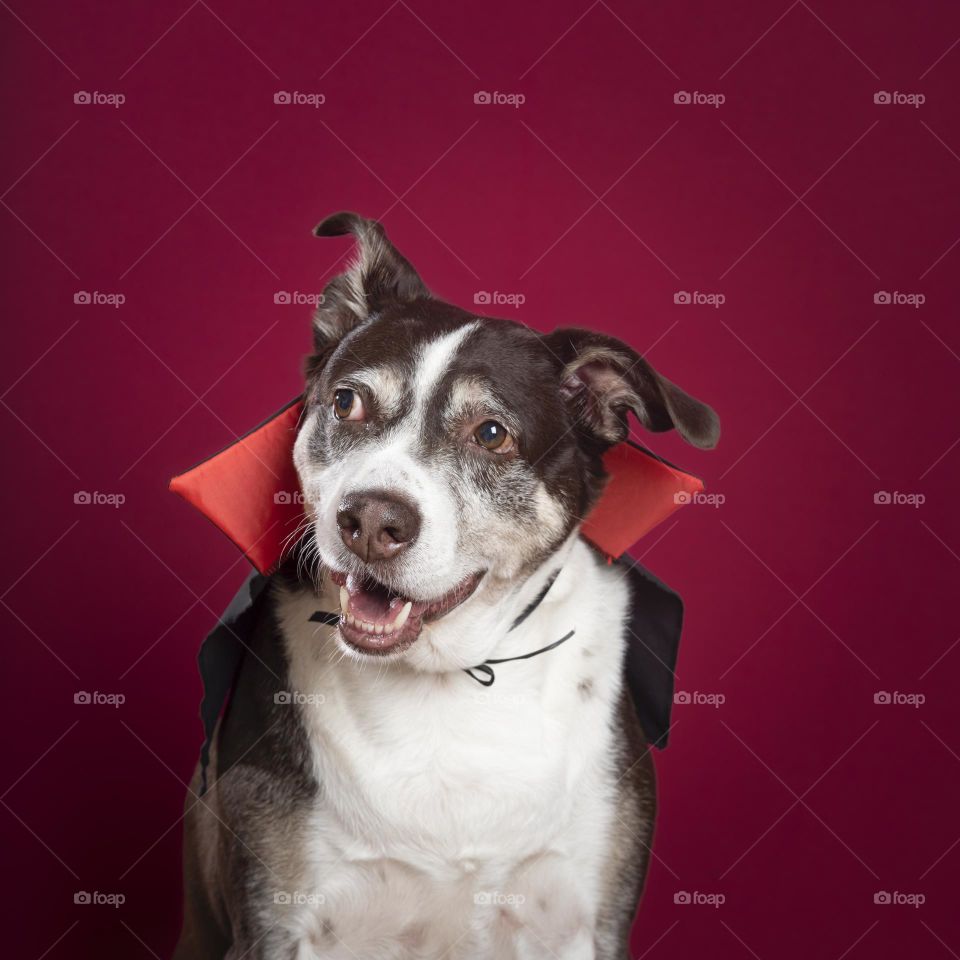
(368, 602)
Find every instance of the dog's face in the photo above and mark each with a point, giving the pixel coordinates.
(444, 457)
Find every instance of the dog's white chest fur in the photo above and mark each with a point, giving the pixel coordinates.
(457, 817)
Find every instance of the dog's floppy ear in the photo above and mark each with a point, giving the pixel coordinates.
(378, 275)
(602, 378)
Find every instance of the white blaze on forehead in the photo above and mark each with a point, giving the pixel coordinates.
(433, 361)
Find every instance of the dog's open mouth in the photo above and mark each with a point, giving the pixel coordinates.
(376, 620)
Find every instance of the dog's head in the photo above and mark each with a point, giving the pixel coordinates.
(445, 456)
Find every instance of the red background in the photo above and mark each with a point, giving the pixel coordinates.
(597, 199)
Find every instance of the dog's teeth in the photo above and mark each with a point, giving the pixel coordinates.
(350, 619)
(344, 600)
(378, 629)
(388, 628)
(368, 626)
(401, 618)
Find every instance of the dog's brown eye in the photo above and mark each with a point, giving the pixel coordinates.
(494, 437)
(347, 405)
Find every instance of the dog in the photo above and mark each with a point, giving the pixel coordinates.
(369, 800)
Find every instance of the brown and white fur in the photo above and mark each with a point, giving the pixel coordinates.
(370, 800)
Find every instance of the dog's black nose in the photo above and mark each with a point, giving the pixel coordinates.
(377, 525)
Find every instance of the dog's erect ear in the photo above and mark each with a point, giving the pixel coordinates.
(378, 275)
(603, 378)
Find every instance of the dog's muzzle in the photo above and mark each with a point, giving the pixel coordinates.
(376, 620)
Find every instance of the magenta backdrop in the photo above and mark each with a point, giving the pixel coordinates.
(798, 199)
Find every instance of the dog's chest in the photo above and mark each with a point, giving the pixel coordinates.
(434, 787)
(459, 773)
(439, 763)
